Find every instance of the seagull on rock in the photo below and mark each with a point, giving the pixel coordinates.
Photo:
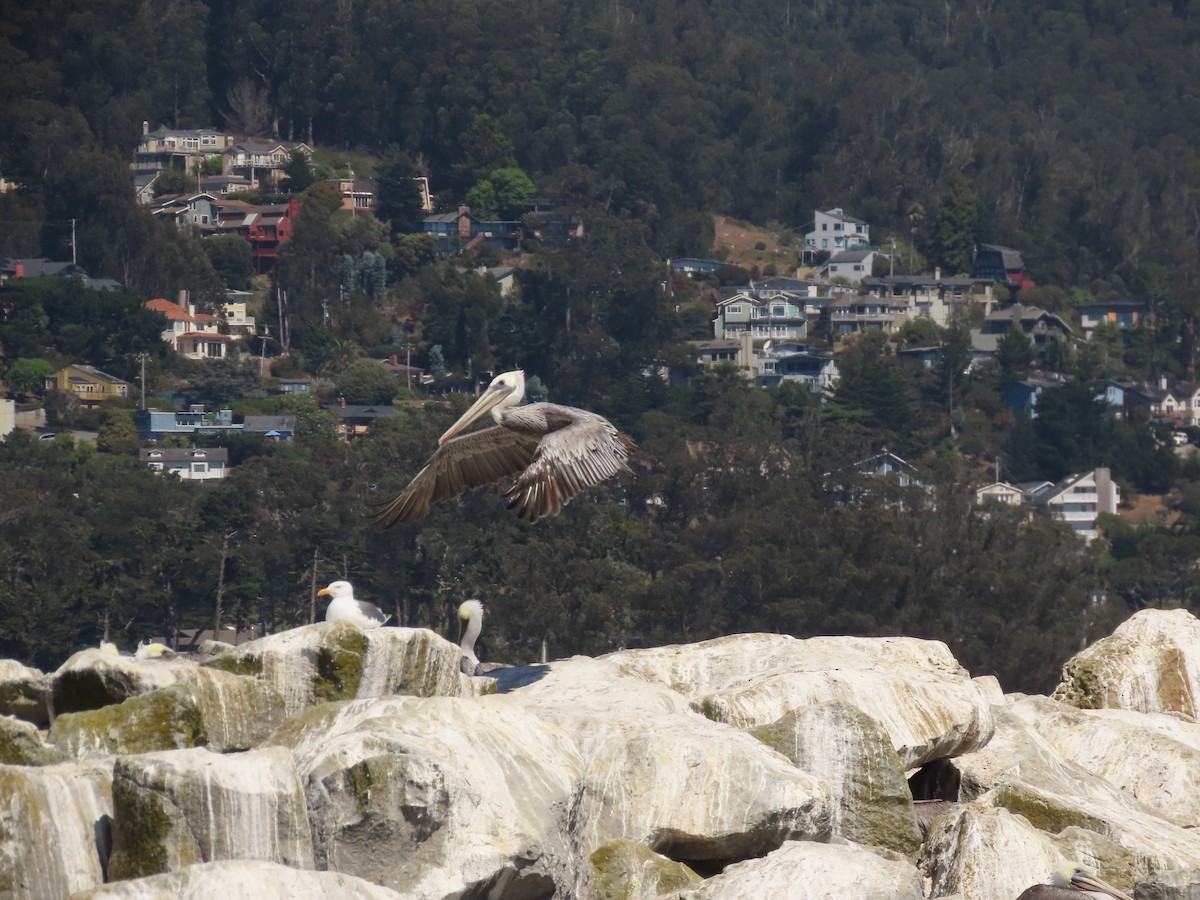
(344, 608)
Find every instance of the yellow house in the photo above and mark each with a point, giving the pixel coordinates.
(88, 383)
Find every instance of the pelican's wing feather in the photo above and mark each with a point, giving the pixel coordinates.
(467, 461)
(583, 454)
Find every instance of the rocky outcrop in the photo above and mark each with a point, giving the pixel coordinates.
(202, 708)
(871, 800)
(338, 661)
(24, 693)
(175, 809)
(54, 828)
(1150, 663)
(242, 879)
(916, 690)
(751, 766)
(808, 871)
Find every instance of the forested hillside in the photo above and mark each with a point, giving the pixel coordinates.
(1066, 130)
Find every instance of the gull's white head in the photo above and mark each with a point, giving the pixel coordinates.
(338, 590)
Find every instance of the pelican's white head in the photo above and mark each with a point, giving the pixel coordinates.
(1073, 876)
(470, 609)
(506, 390)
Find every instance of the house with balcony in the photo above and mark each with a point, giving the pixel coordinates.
(259, 160)
(834, 231)
(193, 464)
(184, 149)
(848, 314)
(265, 227)
(358, 194)
(1078, 500)
(1042, 327)
(1001, 493)
(763, 314)
(88, 384)
(236, 320)
(1178, 401)
(192, 334)
(156, 424)
(929, 295)
(798, 363)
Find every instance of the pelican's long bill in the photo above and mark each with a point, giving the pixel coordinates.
(1083, 881)
(488, 399)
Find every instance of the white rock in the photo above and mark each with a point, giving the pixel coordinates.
(436, 796)
(1151, 663)
(93, 678)
(333, 661)
(24, 692)
(1153, 757)
(242, 880)
(803, 870)
(915, 689)
(53, 828)
(181, 807)
(992, 854)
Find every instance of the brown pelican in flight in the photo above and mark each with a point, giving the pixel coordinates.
(551, 452)
(344, 608)
(1071, 882)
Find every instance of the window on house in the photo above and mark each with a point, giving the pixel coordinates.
(734, 311)
(837, 227)
(778, 311)
(199, 468)
(857, 267)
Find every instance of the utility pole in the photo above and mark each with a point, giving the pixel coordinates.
(408, 364)
(142, 357)
(73, 260)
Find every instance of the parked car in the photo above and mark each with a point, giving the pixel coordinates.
(1179, 438)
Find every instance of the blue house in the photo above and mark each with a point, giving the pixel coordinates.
(1022, 396)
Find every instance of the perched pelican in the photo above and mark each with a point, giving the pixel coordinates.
(1070, 882)
(552, 452)
(153, 651)
(470, 623)
(344, 608)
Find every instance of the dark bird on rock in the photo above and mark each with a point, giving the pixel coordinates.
(551, 452)
(1071, 881)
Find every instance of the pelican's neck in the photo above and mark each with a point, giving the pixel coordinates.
(474, 626)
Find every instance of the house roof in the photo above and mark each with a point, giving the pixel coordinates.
(184, 454)
(169, 308)
(846, 256)
(264, 424)
(842, 217)
(1012, 258)
(95, 373)
(206, 336)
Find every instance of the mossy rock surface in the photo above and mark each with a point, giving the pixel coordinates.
(166, 719)
(872, 803)
(340, 660)
(626, 870)
(24, 693)
(141, 828)
(1044, 812)
(21, 745)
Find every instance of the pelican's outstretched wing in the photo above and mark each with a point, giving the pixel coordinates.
(585, 453)
(467, 461)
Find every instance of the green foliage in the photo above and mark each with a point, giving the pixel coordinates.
(482, 200)
(174, 181)
(366, 381)
(230, 257)
(220, 382)
(28, 376)
(117, 434)
(397, 197)
(512, 188)
(298, 174)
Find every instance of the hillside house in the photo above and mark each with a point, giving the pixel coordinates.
(87, 383)
(156, 424)
(184, 149)
(1078, 500)
(929, 295)
(1002, 265)
(1120, 314)
(852, 265)
(767, 314)
(1177, 402)
(193, 464)
(260, 160)
(266, 228)
(848, 314)
(999, 492)
(833, 230)
(799, 363)
(197, 210)
(1041, 326)
(192, 334)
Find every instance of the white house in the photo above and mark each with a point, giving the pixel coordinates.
(833, 230)
(192, 334)
(189, 464)
(1078, 500)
